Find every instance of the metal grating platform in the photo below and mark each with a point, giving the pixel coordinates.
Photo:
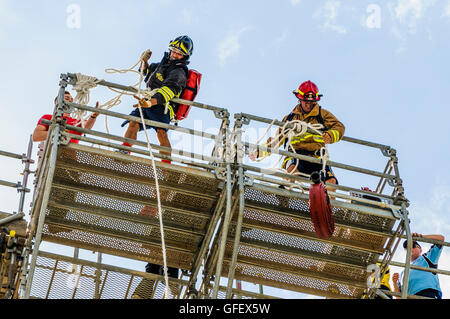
(63, 277)
(106, 201)
(279, 247)
(60, 277)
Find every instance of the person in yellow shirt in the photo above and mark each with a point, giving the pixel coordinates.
(384, 284)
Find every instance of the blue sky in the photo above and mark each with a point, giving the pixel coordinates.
(382, 67)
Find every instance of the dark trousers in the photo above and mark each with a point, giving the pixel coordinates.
(430, 293)
(146, 287)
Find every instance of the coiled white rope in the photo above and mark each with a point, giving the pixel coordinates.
(299, 128)
(83, 86)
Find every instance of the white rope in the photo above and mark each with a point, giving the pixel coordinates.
(82, 87)
(325, 156)
(299, 128)
(148, 94)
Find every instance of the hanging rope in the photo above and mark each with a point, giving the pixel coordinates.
(325, 156)
(148, 94)
(82, 87)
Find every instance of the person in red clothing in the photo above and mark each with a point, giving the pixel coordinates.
(41, 130)
(40, 135)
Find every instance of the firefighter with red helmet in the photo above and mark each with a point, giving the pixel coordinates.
(308, 110)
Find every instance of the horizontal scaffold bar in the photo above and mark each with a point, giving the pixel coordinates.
(138, 119)
(10, 217)
(143, 152)
(287, 213)
(12, 155)
(249, 146)
(14, 185)
(136, 273)
(132, 159)
(134, 90)
(308, 181)
(335, 186)
(384, 213)
(433, 270)
(128, 217)
(131, 141)
(77, 261)
(345, 138)
(428, 240)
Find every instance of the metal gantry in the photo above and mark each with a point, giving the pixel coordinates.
(13, 230)
(224, 220)
(270, 239)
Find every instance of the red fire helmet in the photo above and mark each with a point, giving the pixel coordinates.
(308, 87)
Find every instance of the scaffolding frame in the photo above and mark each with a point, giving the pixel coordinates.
(226, 227)
(57, 136)
(12, 228)
(397, 208)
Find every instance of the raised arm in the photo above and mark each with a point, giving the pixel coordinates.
(40, 133)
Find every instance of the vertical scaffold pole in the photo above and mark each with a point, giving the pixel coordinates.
(226, 220)
(26, 173)
(237, 235)
(408, 253)
(42, 210)
(47, 188)
(223, 239)
(224, 127)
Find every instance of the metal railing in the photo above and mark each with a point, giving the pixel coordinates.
(10, 261)
(58, 135)
(393, 205)
(226, 161)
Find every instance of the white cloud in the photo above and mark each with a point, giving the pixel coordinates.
(446, 11)
(401, 39)
(230, 46)
(295, 2)
(432, 216)
(409, 12)
(329, 13)
(406, 15)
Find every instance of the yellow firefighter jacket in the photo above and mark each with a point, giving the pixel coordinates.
(309, 142)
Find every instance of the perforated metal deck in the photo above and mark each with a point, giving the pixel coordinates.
(62, 277)
(97, 196)
(279, 247)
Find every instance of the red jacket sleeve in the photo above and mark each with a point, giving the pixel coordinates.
(45, 117)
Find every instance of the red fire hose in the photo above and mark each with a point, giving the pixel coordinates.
(320, 208)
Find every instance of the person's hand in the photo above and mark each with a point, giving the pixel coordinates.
(145, 56)
(142, 102)
(326, 138)
(94, 115)
(395, 277)
(416, 235)
(253, 155)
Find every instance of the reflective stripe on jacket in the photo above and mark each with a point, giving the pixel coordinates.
(311, 142)
(169, 77)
